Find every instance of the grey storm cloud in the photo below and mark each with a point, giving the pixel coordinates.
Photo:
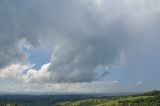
(77, 57)
(14, 30)
(83, 34)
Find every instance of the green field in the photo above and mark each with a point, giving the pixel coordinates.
(148, 99)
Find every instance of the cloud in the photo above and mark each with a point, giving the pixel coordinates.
(139, 83)
(13, 73)
(114, 82)
(104, 37)
(12, 35)
(83, 35)
(37, 76)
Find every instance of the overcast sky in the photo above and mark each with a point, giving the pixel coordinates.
(79, 45)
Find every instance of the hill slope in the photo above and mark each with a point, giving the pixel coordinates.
(146, 99)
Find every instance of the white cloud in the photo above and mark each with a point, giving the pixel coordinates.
(139, 83)
(38, 76)
(13, 73)
(114, 82)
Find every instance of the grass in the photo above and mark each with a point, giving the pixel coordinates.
(136, 100)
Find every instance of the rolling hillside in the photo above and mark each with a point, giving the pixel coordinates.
(146, 99)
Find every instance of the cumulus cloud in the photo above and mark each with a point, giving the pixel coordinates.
(37, 76)
(104, 37)
(83, 35)
(13, 73)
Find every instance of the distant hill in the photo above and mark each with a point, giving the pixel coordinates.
(152, 93)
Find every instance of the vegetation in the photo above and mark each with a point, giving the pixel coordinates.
(145, 99)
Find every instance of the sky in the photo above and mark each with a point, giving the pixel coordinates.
(79, 46)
